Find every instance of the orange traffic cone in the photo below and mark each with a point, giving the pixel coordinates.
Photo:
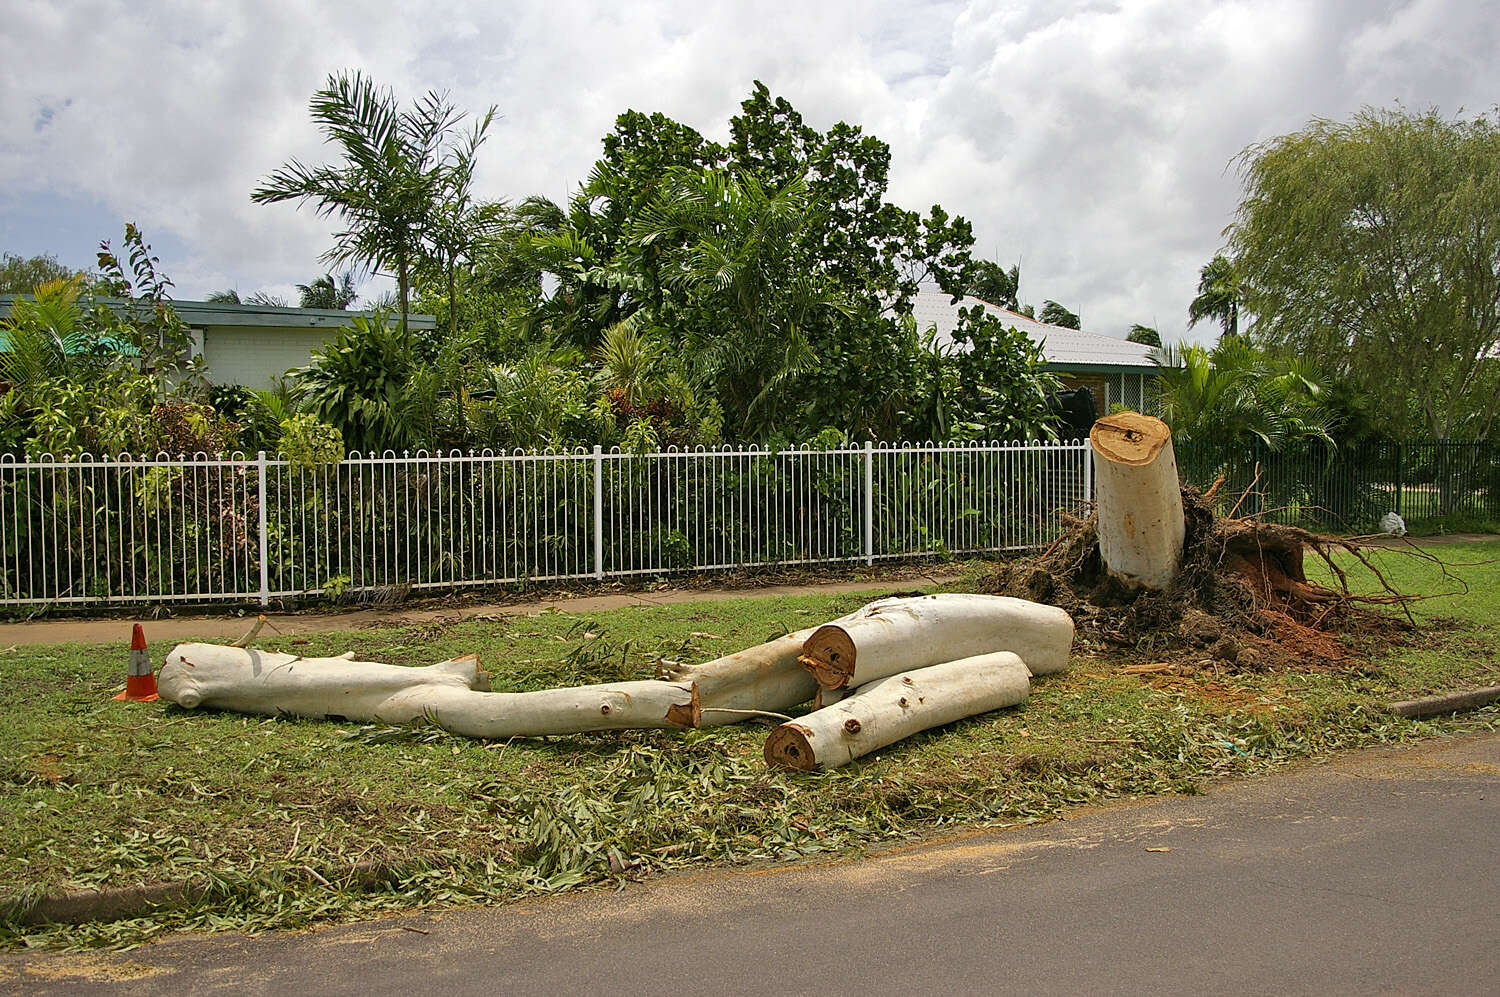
(140, 684)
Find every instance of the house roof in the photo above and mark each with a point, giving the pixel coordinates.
(213, 313)
(1063, 348)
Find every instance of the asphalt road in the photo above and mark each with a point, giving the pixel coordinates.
(1378, 873)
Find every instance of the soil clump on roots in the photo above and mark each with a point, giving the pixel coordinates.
(1240, 600)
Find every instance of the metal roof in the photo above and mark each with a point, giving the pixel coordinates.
(1060, 347)
(213, 313)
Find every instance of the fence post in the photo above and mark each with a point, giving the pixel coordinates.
(265, 545)
(1400, 476)
(869, 502)
(598, 511)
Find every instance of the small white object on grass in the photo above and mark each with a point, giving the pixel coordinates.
(1393, 524)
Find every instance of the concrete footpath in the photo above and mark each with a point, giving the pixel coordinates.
(1376, 873)
(176, 629)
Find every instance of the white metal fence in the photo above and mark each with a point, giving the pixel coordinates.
(82, 530)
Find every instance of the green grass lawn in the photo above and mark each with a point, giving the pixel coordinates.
(272, 814)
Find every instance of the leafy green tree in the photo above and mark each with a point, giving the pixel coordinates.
(1145, 335)
(1003, 389)
(1055, 314)
(358, 384)
(397, 166)
(23, 274)
(862, 242)
(1219, 296)
(147, 324)
(1371, 244)
(329, 291)
(735, 252)
(737, 261)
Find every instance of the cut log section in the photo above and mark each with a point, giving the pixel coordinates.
(643, 705)
(265, 682)
(1139, 501)
(900, 634)
(762, 679)
(897, 707)
(451, 694)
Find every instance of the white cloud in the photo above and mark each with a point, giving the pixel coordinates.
(1088, 139)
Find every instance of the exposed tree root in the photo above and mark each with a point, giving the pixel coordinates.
(1241, 599)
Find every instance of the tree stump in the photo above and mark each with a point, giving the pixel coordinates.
(1139, 500)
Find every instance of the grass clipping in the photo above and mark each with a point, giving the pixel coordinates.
(1240, 599)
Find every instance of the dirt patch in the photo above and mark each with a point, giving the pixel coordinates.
(91, 969)
(1242, 599)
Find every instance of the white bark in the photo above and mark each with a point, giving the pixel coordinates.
(644, 705)
(765, 678)
(897, 707)
(450, 694)
(265, 682)
(1139, 501)
(900, 634)
(454, 694)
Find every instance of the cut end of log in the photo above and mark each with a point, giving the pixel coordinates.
(688, 714)
(1129, 438)
(829, 655)
(790, 747)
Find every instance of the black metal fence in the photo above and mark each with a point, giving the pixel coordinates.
(1434, 487)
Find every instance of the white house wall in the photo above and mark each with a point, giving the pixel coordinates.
(255, 356)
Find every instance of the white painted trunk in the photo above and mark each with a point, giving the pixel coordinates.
(900, 634)
(1139, 500)
(897, 707)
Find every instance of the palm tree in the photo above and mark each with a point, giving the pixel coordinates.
(732, 245)
(1055, 314)
(229, 296)
(329, 291)
(1145, 335)
(43, 334)
(1219, 295)
(1235, 394)
(394, 174)
(459, 227)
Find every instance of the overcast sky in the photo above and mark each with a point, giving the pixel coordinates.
(1090, 141)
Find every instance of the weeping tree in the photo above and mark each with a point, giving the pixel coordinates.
(1373, 245)
(397, 168)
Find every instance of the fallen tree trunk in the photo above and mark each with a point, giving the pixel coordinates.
(1138, 498)
(761, 679)
(269, 683)
(649, 704)
(900, 634)
(452, 694)
(897, 707)
(767, 678)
